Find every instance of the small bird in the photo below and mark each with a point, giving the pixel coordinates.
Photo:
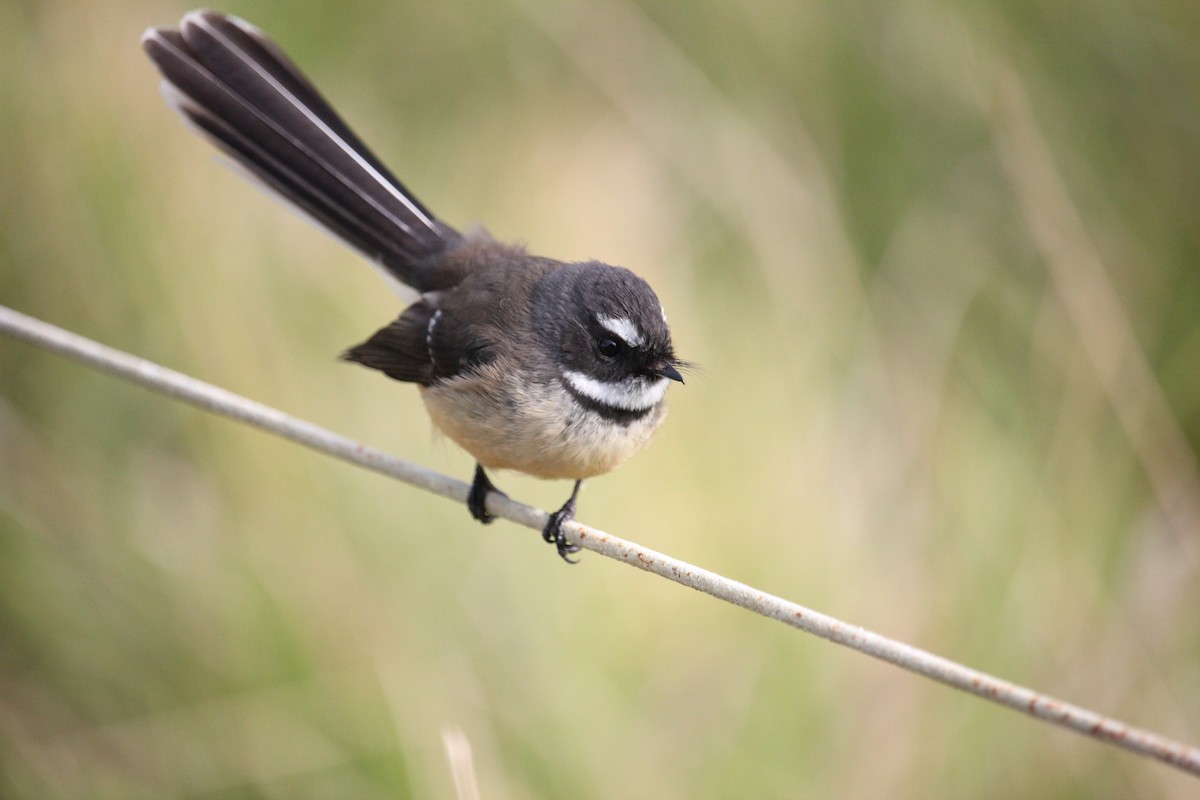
(555, 369)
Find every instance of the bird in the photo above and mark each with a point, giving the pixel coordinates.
(550, 368)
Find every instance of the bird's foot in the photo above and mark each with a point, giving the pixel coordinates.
(477, 497)
(553, 532)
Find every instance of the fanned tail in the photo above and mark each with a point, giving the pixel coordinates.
(238, 88)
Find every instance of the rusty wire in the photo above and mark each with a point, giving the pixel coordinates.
(211, 398)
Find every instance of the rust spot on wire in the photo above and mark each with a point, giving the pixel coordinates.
(1050, 707)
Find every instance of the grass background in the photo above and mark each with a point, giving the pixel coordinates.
(939, 264)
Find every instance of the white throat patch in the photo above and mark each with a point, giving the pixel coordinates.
(623, 328)
(635, 394)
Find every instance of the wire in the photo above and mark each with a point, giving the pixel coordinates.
(212, 398)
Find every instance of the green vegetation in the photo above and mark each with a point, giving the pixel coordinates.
(938, 263)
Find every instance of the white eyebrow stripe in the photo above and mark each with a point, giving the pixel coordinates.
(624, 328)
(629, 395)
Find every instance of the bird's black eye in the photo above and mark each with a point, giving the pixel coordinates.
(609, 348)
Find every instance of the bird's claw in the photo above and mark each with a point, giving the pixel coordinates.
(477, 497)
(553, 532)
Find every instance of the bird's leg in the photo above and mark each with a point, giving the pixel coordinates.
(553, 531)
(477, 497)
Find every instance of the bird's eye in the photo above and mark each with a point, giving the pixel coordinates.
(609, 348)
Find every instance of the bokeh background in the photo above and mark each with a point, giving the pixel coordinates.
(938, 262)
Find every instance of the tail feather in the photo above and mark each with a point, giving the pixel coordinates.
(239, 89)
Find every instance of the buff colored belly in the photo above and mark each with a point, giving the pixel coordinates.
(550, 438)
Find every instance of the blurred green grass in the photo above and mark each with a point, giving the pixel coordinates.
(899, 420)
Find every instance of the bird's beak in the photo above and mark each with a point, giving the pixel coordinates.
(665, 369)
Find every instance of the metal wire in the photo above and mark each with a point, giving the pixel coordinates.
(211, 398)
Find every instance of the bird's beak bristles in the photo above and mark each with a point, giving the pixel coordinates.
(666, 369)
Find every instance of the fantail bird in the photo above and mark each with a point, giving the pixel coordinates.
(555, 369)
